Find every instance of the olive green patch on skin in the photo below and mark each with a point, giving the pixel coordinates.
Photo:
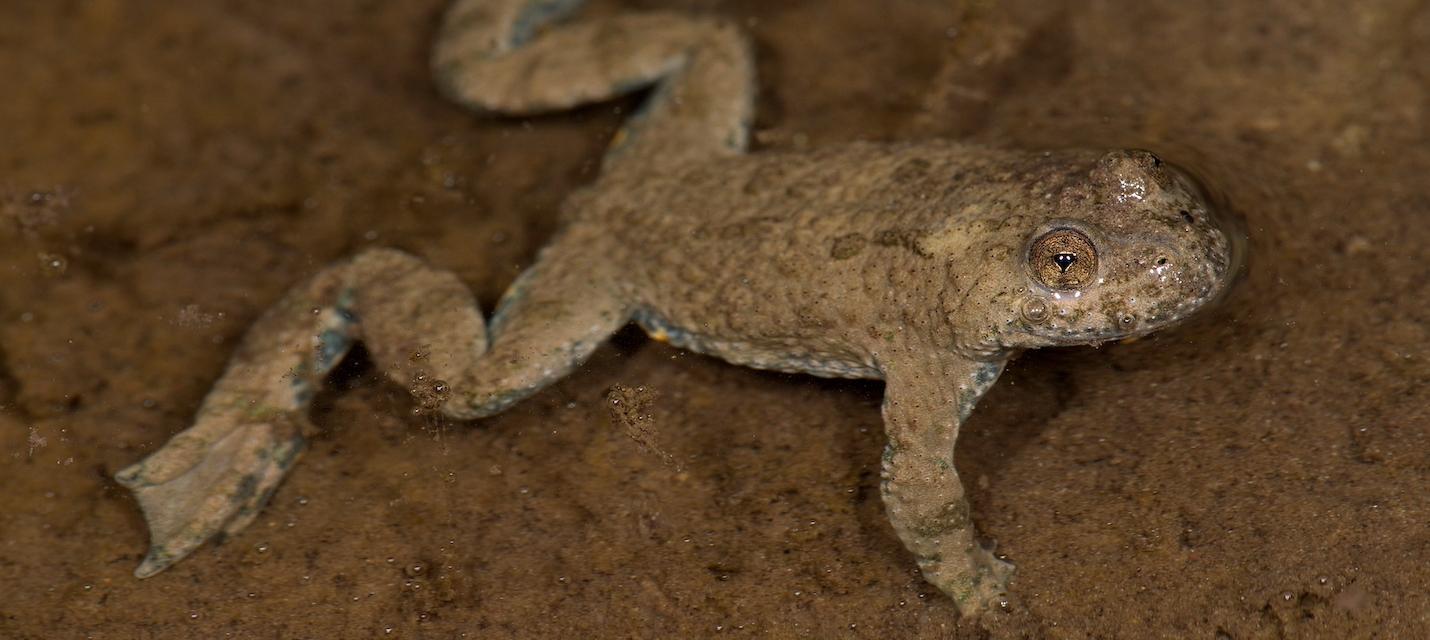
(902, 239)
(952, 517)
(747, 229)
(914, 170)
(847, 246)
(247, 488)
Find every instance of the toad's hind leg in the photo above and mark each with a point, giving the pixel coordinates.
(494, 55)
(423, 330)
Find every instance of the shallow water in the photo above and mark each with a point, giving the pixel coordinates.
(168, 170)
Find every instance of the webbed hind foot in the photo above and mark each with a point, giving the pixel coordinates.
(215, 476)
(206, 481)
(422, 329)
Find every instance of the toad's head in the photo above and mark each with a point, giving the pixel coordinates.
(1130, 246)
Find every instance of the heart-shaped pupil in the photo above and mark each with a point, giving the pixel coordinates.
(1064, 261)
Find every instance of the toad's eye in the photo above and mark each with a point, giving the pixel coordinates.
(1063, 259)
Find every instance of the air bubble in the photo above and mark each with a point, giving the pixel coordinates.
(1035, 310)
(54, 263)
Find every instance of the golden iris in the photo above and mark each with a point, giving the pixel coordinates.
(1063, 259)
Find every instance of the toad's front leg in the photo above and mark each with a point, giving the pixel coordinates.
(422, 328)
(925, 401)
